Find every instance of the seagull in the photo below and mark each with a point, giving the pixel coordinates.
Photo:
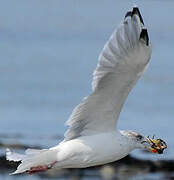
(92, 138)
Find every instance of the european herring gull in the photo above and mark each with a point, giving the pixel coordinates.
(92, 138)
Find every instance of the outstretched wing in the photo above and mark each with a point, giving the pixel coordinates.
(121, 63)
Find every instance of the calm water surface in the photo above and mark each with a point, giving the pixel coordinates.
(48, 53)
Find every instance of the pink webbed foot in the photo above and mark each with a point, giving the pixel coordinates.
(41, 168)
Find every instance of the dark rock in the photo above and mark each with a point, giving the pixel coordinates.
(4, 164)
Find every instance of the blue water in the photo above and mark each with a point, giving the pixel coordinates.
(49, 50)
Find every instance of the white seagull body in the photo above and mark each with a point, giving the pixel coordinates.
(92, 138)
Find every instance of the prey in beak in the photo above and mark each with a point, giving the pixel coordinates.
(156, 145)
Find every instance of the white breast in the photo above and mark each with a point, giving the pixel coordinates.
(92, 150)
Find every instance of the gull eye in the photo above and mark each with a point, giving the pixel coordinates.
(139, 137)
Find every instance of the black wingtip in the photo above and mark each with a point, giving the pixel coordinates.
(144, 36)
(137, 12)
(129, 13)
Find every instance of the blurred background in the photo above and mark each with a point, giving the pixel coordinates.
(48, 51)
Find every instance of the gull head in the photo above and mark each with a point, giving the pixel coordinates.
(151, 144)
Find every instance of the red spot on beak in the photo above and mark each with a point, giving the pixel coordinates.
(154, 150)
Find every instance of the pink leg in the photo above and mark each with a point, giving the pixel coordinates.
(40, 168)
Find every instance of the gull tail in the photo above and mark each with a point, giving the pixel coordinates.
(33, 160)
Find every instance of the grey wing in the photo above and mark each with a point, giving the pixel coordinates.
(121, 63)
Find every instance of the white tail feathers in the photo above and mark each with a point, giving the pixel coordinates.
(31, 158)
